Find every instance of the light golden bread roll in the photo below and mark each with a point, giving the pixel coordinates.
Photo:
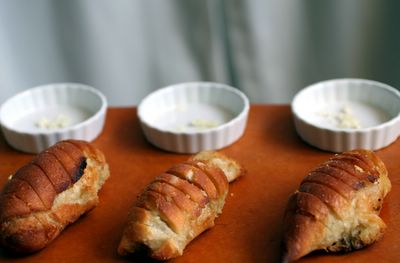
(49, 193)
(337, 206)
(179, 205)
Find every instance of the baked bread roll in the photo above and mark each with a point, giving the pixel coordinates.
(49, 193)
(179, 205)
(337, 206)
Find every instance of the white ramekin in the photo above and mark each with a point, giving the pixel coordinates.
(20, 114)
(164, 111)
(376, 102)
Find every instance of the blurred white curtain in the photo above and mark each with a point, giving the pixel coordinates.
(270, 49)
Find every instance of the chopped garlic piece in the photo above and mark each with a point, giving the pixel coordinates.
(203, 124)
(344, 118)
(61, 121)
(196, 125)
(180, 128)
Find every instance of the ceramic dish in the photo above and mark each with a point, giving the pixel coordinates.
(37, 118)
(190, 117)
(345, 114)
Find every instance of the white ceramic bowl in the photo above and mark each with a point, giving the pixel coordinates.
(346, 114)
(37, 118)
(190, 117)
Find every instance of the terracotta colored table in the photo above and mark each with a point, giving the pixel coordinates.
(250, 227)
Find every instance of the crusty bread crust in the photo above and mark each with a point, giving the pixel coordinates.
(47, 194)
(337, 206)
(179, 205)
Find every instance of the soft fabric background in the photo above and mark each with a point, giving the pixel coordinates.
(270, 49)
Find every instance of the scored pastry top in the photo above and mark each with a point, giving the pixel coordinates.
(34, 186)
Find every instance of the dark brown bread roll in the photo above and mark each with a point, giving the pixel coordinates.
(49, 193)
(179, 205)
(337, 206)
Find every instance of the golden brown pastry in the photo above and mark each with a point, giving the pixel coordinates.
(53, 190)
(179, 205)
(337, 206)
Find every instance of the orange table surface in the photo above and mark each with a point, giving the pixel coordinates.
(249, 229)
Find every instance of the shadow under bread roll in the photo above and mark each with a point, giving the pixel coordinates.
(49, 193)
(179, 205)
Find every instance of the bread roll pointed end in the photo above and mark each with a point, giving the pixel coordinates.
(230, 167)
